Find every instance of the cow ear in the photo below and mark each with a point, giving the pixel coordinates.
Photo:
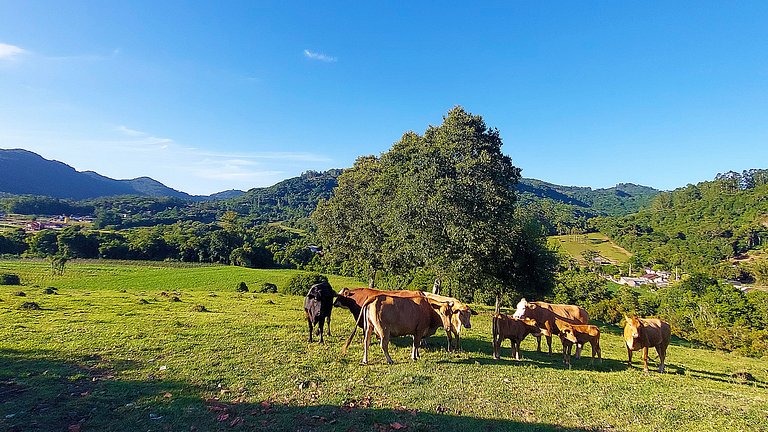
(472, 311)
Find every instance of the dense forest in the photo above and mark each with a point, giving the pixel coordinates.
(707, 227)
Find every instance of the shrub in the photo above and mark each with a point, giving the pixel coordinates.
(29, 306)
(50, 290)
(9, 279)
(300, 283)
(199, 308)
(242, 287)
(267, 287)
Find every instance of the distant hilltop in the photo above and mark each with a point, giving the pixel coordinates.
(23, 172)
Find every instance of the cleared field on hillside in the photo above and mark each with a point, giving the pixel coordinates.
(575, 246)
(113, 351)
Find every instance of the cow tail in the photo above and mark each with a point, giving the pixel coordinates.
(495, 329)
(354, 330)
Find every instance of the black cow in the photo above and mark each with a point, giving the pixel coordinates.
(318, 305)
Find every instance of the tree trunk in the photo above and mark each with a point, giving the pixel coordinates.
(437, 286)
(498, 302)
(372, 280)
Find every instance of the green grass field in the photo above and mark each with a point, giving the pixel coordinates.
(113, 351)
(576, 245)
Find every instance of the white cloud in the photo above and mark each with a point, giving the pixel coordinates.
(8, 52)
(319, 56)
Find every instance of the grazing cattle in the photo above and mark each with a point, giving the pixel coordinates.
(389, 316)
(642, 333)
(318, 305)
(545, 315)
(354, 299)
(578, 334)
(461, 315)
(514, 329)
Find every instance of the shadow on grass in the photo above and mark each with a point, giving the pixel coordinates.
(41, 393)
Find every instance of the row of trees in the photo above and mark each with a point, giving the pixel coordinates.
(442, 203)
(226, 242)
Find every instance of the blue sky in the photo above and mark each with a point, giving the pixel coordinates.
(208, 96)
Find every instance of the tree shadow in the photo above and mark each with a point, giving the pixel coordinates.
(41, 393)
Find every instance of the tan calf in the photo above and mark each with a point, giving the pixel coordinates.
(578, 334)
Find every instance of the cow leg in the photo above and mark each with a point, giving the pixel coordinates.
(415, 350)
(629, 357)
(385, 346)
(320, 329)
(549, 343)
(599, 351)
(366, 341)
(645, 359)
(309, 322)
(515, 349)
(329, 325)
(662, 351)
(579, 347)
(538, 343)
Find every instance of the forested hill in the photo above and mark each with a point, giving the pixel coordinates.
(699, 226)
(23, 172)
(289, 199)
(560, 208)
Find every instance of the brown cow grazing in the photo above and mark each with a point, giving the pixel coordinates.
(318, 305)
(545, 315)
(644, 333)
(400, 316)
(354, 299)
(461, 314)
(506, 327)
(578, 334)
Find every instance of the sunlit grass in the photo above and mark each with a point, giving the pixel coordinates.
(112, 350)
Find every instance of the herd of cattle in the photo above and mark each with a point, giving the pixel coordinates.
(420, 314)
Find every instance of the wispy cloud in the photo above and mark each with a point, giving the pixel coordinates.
(145, 138)
(8, 51)
(319, 56)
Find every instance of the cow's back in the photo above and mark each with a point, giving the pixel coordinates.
(655, 331)
(569, 313)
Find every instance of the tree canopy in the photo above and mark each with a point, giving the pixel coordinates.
(442, 203)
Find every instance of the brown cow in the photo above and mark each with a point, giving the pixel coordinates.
(545, 315)
(400, 316)
(461, 314)
(642, 333)
(578, 334)
(506, 327)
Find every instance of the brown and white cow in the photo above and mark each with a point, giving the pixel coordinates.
(578, 334)
(506, 327)
(389, 316)
(545, 314)
(461, 314)
(642, 333)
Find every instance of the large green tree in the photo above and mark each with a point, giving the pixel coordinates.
(442, 203)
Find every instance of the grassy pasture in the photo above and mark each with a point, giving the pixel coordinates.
(575, 246)
(112, 350)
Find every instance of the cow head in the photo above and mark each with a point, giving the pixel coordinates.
(464, 315)
(522, 306)
(532, 327)
(343, 297)
(631, 331)
(445, 311)
(566, 332)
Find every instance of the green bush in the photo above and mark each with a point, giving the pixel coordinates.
(267, 287)
(300, 283)
(242, 287)
(9, 279)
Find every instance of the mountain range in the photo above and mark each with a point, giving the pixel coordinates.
(23, 172)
